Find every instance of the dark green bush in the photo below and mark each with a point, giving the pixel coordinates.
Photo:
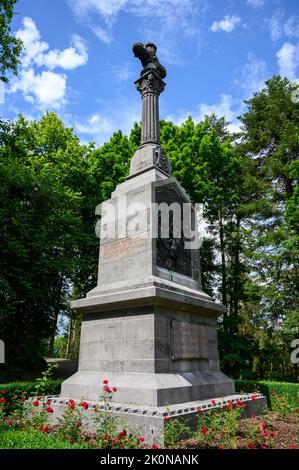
(34, 439)
(289, 390)
(15, 391)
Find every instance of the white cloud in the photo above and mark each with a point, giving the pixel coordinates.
(45, 89)
(122, 72)
(100, 126)
(38, 52)
(225, 107)
(276, 25)
(291, 26)
(288, 60)
(165, 21)
(252, 75)
(95, 124)
(256, 3)
(227, 24)
(281, 26)
(69, 58)
(105, 8)
(2, 93)
(33, 45)
(102, 34)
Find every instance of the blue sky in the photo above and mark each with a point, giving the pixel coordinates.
(79, 63)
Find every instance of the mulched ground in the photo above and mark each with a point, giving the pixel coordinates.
(280, 432)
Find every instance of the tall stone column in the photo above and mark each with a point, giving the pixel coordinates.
(150, 154)
(150, 86)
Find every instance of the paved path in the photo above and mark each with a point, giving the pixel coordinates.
(65, 367)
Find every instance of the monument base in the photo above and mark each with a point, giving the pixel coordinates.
(149, 422)
(141, 389)
(156, 345)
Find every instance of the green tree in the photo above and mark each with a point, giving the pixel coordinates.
(269, 149)
(10, 46)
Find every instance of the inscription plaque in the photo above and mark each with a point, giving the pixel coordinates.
(189, 341)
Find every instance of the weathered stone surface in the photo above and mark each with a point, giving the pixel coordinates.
(149, 421)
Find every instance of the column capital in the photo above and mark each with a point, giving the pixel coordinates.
(150, 82)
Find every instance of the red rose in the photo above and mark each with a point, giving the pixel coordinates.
(105, 381)
(49, 402)
(253, 397)
(115, 442)
(49, 409)
(199, 410)
(252, 416)
(106, 437)
(213, 402)
(85, 405)
(121, 435)
(251, 446)
(166, 418)
(155, 446)
(71, 404)
(273, 394)
(114, 389)
(36, 403)
(107, 389)
(271, 433)
(3, 392)
(38, 398)
(141, 439)
(229, 408)
(204, 431)
(78, 424)
(44, 428)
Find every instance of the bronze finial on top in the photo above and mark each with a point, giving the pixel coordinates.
(146, 53)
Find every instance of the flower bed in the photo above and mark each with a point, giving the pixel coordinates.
(29, 427)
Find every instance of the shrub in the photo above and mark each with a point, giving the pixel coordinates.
(271, 389)
(15, 393)
(34, 439)
(175, 429)
(219, 428)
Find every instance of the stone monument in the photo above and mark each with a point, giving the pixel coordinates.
(147, 326)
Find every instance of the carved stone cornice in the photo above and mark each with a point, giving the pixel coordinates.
(150, 82)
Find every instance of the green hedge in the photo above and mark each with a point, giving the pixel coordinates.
(289, 390)
(14, 391)
(34, 439)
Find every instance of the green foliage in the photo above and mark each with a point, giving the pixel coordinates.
(223, 424)
(60, 347)
(43, 381)
(175, 430)
(10, 46)
(34, 439)
(70, 424)
(271, 390)
(16, 392)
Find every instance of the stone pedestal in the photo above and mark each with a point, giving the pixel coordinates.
(147, 327)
